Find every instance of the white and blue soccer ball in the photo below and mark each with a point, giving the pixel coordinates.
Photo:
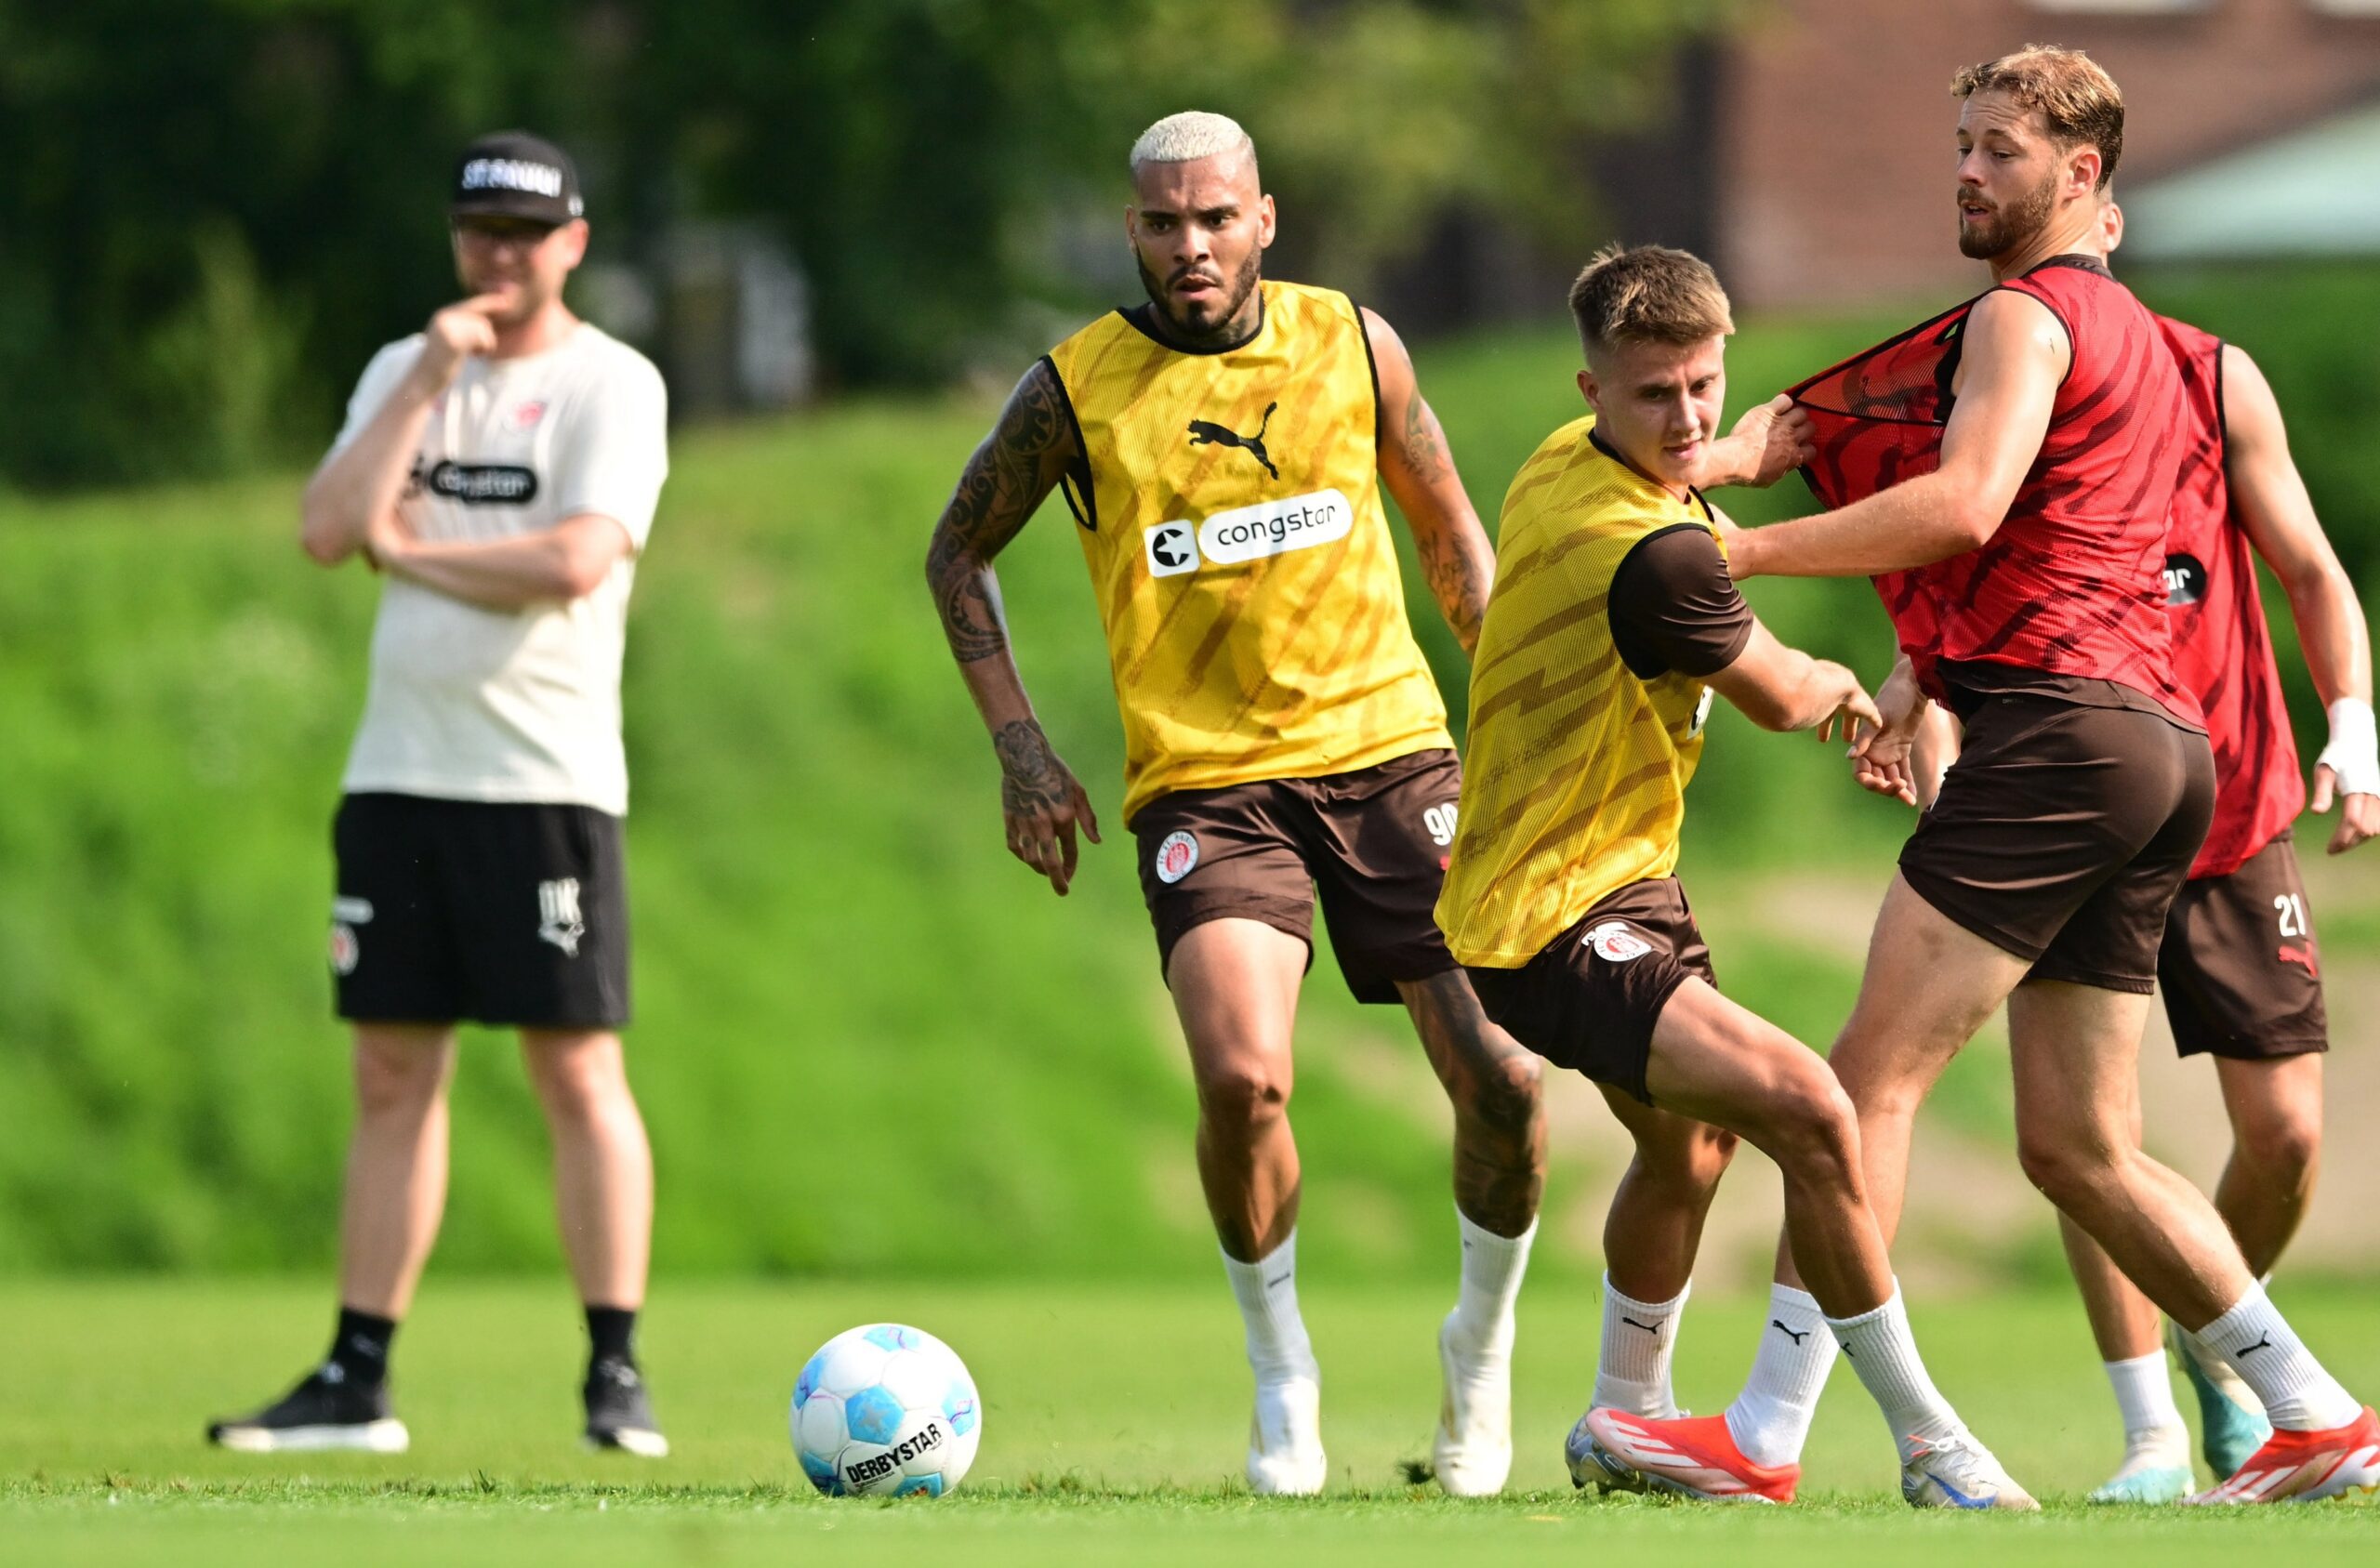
(885, 1409)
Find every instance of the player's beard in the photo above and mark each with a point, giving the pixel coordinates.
(2009, 227)
(1220, 330)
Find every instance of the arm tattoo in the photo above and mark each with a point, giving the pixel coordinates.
(1424, 446)
(1456, 580)
(1031, 776)
(1009, 476)
(1457, 584)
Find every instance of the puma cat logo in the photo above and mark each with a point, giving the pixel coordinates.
(1203, 433)
(1778, 1325)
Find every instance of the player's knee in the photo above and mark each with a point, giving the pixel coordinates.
(1813, 1128)
(391, 1077)
(1242, 1095)
(1691, 1164)
(2067, 1167)
(578, 1081)
(2282, 1145)
(1507, 1096)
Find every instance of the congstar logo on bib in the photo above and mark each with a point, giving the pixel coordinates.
(1246, 534)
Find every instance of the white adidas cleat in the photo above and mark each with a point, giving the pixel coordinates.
(1472, 1451)
(1959, 1472)
(1285, 1457)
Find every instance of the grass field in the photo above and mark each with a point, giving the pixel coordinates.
(1115, 1417)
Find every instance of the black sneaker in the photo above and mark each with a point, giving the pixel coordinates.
(325, 1411)
(618, 1413)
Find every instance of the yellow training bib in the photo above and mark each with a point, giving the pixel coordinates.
(1233, 527)
(1575, 782)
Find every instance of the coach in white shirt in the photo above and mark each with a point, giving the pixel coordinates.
(500, 470)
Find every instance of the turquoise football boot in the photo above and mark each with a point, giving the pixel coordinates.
(2146, 1478)
(2232, 1425)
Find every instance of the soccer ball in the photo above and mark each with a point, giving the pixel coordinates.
(885, 1408)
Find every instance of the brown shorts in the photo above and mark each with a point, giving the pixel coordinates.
(2240, 969)
(1589, 998)
(1373, 843)
(2062, 833)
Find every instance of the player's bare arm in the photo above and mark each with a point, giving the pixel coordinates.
(1782, 688)
(2016, 356)
(357, 486)
(1419, 470)
(1770, 441)
(569, 561)
(2272, 503)
(1006, 481)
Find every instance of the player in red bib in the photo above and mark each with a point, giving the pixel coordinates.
(2240, 970)
(2004, 472)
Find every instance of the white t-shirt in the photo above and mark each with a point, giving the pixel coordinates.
(472, 703)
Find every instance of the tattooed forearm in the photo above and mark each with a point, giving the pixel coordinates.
(1009, 476)
(1458, 577)
(1031, 774)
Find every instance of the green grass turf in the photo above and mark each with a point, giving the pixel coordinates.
(1115, 1417)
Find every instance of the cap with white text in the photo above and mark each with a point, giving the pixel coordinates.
(512, 174)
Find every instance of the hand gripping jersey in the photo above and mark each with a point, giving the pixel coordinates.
(2222, 648)
(1231, 518)
(1575, 785)
(2073, 584)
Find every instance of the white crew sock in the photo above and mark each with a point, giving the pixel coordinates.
(2143, 1388)
(2297, 1394)
(1493, 1267)
(1267, 1292)
(1639, 1340)
(1770, 1420)
(1883, 1352)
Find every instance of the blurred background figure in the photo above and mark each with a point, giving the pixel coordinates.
(501, 469)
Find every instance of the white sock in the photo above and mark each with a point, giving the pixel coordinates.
(2298, 1395)
(1770, 1420)
(2144, 1389)
(1493, 1267)
(1267, 1292)
(1639, 1340)
(1883, 1352)
(2216, 1370)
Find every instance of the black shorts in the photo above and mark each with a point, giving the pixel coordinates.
(491, 912)
(1589, 998)
(2241, 972)
(2062, 833)
(1373, 841)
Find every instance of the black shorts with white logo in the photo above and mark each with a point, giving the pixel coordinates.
(486, 911)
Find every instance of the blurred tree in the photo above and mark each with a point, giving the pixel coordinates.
(211, 210)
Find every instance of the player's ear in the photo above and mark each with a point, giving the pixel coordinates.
(1590, 390)
(1265, 220)
(2083, 172)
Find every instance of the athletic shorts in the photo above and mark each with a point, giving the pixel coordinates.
(1374, 843)
(1589, 998)
(2240, 970)
(491, 912)
(2062, 833)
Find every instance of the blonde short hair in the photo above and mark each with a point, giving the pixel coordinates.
(1649, 294)
(1193, 134)
(2078, 100)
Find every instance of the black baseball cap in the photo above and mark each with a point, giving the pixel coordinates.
(512, 174)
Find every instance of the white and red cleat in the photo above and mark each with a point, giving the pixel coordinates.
(1690, 1456)
(2306, 1466)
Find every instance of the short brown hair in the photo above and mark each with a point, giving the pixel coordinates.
(2078, 100)
(1647, 294)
